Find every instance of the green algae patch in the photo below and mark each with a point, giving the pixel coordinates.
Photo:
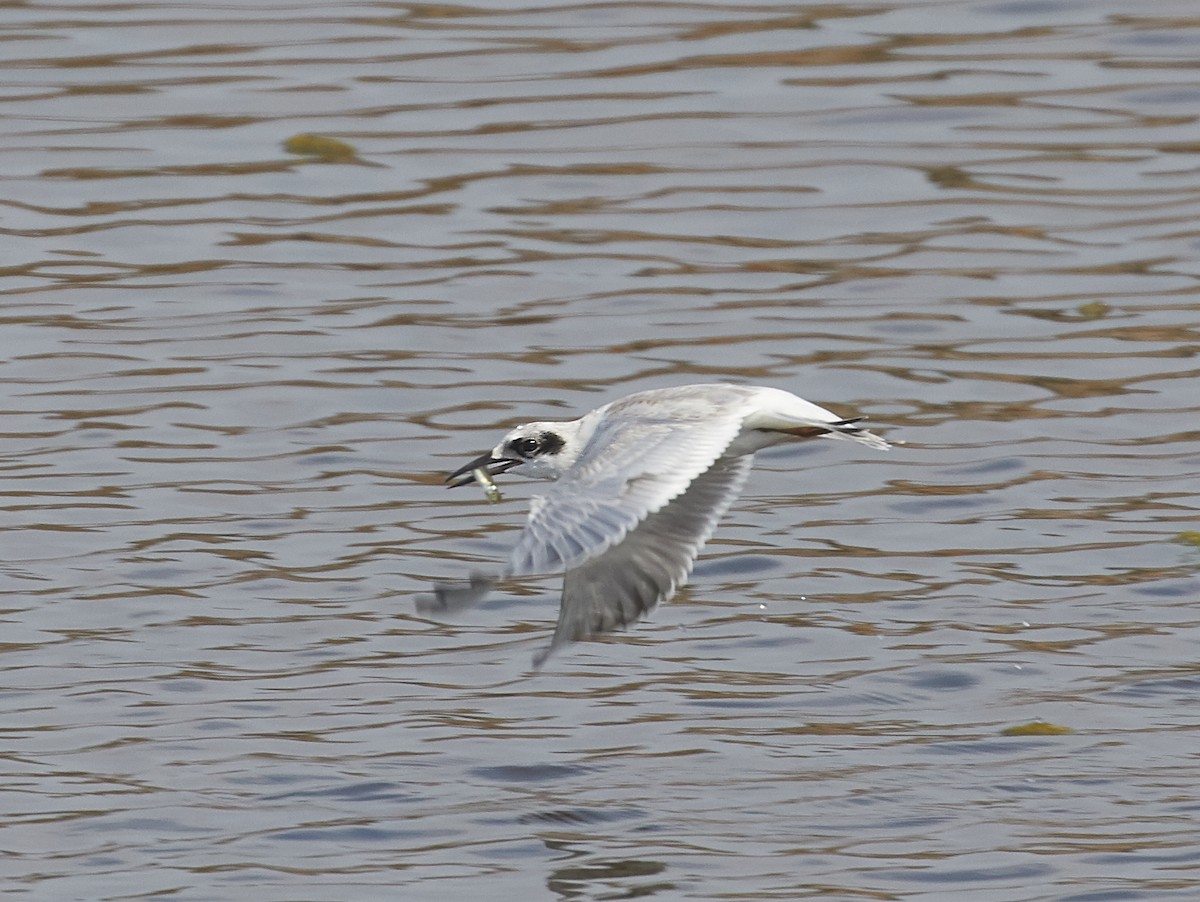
(1036, 728)
(1094, 310)
(329, 149)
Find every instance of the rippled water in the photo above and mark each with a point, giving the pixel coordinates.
(236, 375)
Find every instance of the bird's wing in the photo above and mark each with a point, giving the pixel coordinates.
(617, 587)
(635, 462)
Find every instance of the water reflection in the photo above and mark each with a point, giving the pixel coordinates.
(237, 372)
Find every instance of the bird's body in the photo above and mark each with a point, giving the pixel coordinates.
(639, 485)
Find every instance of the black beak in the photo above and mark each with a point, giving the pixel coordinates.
(493, 465)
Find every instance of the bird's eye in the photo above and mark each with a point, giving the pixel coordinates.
(526, 447)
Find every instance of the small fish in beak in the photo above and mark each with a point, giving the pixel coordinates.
(484, 478)
(481, 470)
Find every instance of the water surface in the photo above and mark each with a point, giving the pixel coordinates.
(236, 376)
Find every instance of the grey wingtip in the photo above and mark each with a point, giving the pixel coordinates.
(541, 657)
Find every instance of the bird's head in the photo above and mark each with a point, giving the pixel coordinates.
(536, 450)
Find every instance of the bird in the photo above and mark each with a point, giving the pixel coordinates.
(639, 485)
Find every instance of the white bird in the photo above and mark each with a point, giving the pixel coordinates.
(639, 485)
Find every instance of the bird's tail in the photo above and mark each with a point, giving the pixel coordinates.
(851, 430)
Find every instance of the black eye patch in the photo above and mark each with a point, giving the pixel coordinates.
(526, 447)
(530, 446)
(550, 442)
